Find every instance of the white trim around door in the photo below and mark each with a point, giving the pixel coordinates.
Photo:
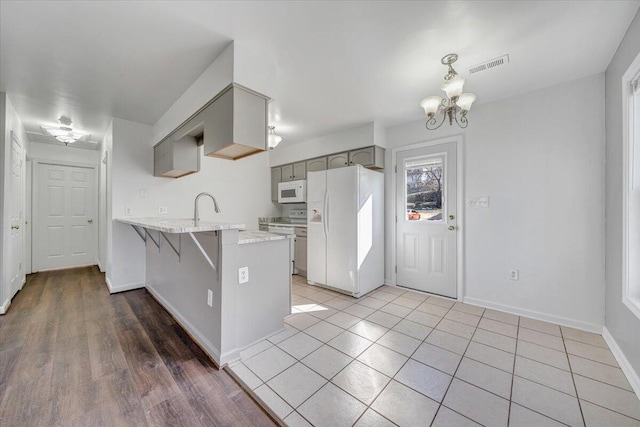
(93, 219)
(459, 141)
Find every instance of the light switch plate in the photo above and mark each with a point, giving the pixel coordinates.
(478, 202)
(209, 298)
(243, 274)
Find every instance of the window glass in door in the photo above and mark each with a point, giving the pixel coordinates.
(424, 185)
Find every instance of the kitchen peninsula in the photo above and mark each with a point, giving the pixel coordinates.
(227, 287)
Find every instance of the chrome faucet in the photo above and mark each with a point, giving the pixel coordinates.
(196, 216)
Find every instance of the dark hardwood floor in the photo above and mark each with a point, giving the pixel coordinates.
(73, 355)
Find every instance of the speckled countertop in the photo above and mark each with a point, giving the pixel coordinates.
(254, 236)
(179, 225)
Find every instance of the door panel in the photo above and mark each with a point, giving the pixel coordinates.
(426, 219)
(64, 212)
(16, 189)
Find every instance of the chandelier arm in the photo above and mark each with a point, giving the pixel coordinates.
(463, 122)
(432, 121)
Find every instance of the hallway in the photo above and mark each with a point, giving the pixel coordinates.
(71, 354)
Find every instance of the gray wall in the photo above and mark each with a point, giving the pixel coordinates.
(623, 325)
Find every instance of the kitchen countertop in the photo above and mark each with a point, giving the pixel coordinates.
(254, 236)
(179, 225)
(292, 224)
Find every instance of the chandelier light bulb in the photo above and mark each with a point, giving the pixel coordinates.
(431, 104)
(453, 87)
(465, 100)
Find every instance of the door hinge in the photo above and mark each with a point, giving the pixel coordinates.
(396, 268)
(395, 169)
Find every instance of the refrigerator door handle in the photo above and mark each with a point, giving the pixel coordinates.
(325, 206)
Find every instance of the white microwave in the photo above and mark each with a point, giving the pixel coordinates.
(292, 192)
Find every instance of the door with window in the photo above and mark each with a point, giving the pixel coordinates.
(426, 246)
(64, 210)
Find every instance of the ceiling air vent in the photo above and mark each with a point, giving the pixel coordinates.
(487, 65)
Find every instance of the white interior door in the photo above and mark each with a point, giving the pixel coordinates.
(64, 229)
(16, 209)
(426, 252)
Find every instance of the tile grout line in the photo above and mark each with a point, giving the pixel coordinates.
(423, 341)
(513, 374)
(573, 380)
(453, 376)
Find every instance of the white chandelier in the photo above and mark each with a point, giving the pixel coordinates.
(455, 106)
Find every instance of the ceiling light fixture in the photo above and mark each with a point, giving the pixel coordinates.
(273, 139)
(455, 104)
(64, 133)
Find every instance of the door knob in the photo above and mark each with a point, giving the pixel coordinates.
(90, 221)
(451, 217)
(15, 227)
(451, 228)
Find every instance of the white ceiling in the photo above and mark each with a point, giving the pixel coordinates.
(340, 64)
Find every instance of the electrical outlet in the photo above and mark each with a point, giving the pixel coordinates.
(162, 210)
(143, 193)
(243, 274)
(514, 274)
(127, 210)
(209, 298)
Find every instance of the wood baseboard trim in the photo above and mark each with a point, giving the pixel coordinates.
(625, 365)
(5, 306)
(122, 288)
(196, 336)
(564, 321)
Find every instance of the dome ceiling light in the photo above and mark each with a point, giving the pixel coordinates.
(273, 139)
(63, 133)
(455, 106)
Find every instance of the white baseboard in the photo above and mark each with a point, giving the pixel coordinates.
(389, 282)
(100, 267)
(122, 288)
(5, 306)
(631, 374)
(197, 336)
(564, 321)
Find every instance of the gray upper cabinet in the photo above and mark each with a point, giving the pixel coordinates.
(287, 173)
(235, 124)
(370, 157)
(315, 165)
(339, 160)
(293, 172)
(299, 171)
(175, 158)
(276, 178)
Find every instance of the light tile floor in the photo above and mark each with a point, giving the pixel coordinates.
(398, 357)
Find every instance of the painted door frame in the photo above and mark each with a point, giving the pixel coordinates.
(34, 195)
(459, 141)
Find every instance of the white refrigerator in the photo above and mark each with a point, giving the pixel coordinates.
(345, 240)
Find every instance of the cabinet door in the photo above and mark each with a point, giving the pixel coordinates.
(301, 254)
(369, 157)
(316, 165)
(338, 160)
(363, 156)
(299, 170)
(276, 177)
(287, 173)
